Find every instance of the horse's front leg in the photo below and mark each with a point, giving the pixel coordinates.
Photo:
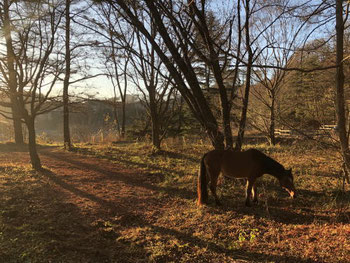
(250, 184)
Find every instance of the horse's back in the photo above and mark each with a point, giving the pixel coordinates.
(233, 163)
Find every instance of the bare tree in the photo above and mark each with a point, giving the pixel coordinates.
(157, 93)
(117, 65)
(178, 25)
(77, 58)
(7, 67)
(36, 63)
(279, 41)
(115, 39)
(340, 98)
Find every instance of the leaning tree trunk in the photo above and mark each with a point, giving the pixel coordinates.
(226, 117)
(340, 99)
(217, 71)
(34, 157)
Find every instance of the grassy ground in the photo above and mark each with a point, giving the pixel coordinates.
(53, 216)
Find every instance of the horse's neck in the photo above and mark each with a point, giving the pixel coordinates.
(273, 167)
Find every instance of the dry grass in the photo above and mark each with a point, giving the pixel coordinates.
(42, 219)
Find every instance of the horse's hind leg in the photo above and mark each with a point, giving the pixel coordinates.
(250, 184)
(213, 183)
(255, 194)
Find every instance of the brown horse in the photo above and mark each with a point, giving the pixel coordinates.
(250, 164)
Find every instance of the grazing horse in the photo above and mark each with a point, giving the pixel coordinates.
(250, 164)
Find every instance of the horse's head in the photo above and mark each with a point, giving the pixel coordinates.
(286, 182)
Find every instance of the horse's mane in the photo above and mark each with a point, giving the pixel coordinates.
(270, 166)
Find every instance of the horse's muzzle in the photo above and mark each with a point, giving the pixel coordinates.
(292, 194)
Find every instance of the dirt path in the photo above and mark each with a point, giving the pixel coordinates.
(91, 203)
(100, 187)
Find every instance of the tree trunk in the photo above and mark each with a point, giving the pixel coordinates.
(115, 113)
(226, 117)
(216, 137)
(155, 131)
(154, 118)
(242, 123)
(181, 116)
(12, 79)
(17, 124)
(340, 99)
(123, 119)
(272, 138)
(66, 131)
(34, 157)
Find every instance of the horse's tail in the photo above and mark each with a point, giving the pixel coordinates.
(202, 189)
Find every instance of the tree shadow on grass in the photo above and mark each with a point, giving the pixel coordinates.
(12, 147)
(135, 164)
(236, 254)
(38, 224)
(57, 180)
(131, 219)
(176, 155)
(280, 209)
(139, 179)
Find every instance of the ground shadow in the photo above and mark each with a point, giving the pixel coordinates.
(57, 180)
(42, 225)
(136, 179)
(236, 254)
(13, 147)
(135, 164)
(176, 155)
(129, 218)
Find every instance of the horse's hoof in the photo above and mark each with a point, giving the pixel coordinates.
(200, 203)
